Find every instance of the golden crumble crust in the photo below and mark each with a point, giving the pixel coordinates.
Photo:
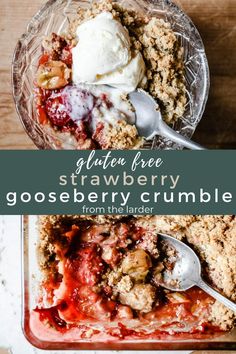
(212, 237)
(122, 136)
(160, 48)
(222, 316)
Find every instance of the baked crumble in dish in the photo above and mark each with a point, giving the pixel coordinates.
(102, 278)
(85, 75)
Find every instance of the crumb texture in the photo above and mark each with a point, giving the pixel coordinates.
(133, 255)
(160, 48)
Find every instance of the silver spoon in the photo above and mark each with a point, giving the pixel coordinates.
(149, 120)
(187, 272)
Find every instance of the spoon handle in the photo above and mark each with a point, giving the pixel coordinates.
(208, 289)
(178, 138)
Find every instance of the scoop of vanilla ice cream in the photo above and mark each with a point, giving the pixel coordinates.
(103, 47)
(103, 55)
(128, 77)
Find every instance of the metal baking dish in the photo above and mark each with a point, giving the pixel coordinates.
(30, 279)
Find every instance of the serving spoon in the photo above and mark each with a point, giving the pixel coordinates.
(149, 121)
(186, 272)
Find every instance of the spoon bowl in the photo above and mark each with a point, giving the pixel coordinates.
(187, 268)
(149, 122)
(186, 272)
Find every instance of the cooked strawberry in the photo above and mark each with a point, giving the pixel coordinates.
(70, 105)
(43, 59)
(57, 111)
(87, 267)
(99, 135)
(52, 316)
(85, 303)
(42, 116)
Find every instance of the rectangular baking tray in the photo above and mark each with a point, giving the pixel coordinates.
(30, 279)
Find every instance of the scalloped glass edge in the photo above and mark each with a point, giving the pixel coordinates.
(50, 16)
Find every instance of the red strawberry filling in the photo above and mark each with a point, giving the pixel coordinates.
(69, 105)
(57, 111)
(82, 295)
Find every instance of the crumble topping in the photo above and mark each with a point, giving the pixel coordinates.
(137, 264)
(141, 297)
(222, 316)
(161, 50)
(213, 238)
(122, 136)
(162, 55)
(124, 285)
(133, 274)
(149, 243)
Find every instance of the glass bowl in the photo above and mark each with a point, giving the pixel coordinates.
(54, 16)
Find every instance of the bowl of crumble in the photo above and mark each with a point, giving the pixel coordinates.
(96, 282)
(75, 66)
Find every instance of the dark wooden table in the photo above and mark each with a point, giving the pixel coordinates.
(216, 22)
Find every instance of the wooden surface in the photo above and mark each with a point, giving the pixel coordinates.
(216, 22)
